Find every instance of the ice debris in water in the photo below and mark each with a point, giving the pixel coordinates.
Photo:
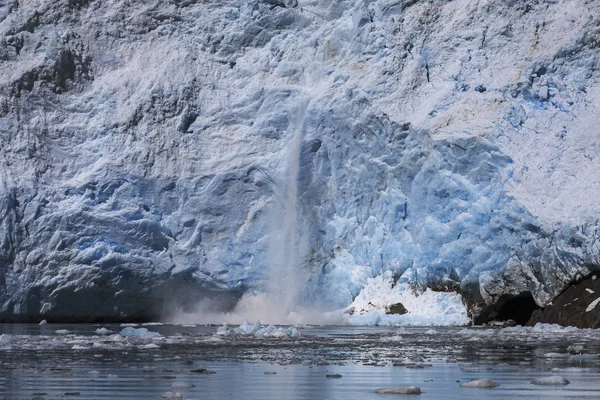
(63, 331)
(400, 390)
(223, 330)
(139, 332)
(182, 385)
(247, 328)
(551, 380)
(103, 331)
(150, 346)
(171, 395)
(5, 339)
(480, 384)
(258, 330)
(43, 322)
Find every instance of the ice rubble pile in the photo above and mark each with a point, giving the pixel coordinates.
(452, 144)
(258, 330)
(423, 309)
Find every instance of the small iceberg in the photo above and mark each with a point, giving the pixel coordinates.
(171, 395)
(480, 384)
(139, 332)
(400, 390)
(550, 381)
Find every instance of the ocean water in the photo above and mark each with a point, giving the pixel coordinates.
(39, 362)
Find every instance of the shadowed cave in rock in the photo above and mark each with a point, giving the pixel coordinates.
(519, 308)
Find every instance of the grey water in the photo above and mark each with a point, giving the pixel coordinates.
(39, 362)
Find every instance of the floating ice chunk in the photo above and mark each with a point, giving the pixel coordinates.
(152, 324)
(149, 346)
(556, 355)
(63, 331)
(395, 338)
(266, 331)
(203, 371)
(572, 369)
(480, 384)
(94, 372)
(278, 333)
(43, 322)
(224, 330)
(124, 325)
(258, 330)
(247, 328)
(575, 349)
(400, 390)
(592, 305)
(79, 347)
(589, 291)
(5, 339)
(551, 380)
(103, 331)
(171, 395)
(115, 338)
(182, 385)
(431, 332)
(292, 332)
(139, 332)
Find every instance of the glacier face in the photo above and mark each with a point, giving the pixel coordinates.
(451, 144)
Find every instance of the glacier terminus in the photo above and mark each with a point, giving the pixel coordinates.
(183, 156)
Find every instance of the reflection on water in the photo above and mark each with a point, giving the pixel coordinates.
(36, 362)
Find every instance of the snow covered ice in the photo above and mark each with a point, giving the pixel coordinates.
(447, 144)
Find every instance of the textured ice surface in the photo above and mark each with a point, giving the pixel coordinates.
(450, 143)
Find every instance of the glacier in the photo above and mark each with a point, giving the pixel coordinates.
(447, 145)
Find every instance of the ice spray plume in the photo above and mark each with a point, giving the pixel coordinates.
(285, 248)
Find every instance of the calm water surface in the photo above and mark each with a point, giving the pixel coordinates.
(39, 362)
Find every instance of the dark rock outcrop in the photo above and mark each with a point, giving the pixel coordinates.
(576, 306)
